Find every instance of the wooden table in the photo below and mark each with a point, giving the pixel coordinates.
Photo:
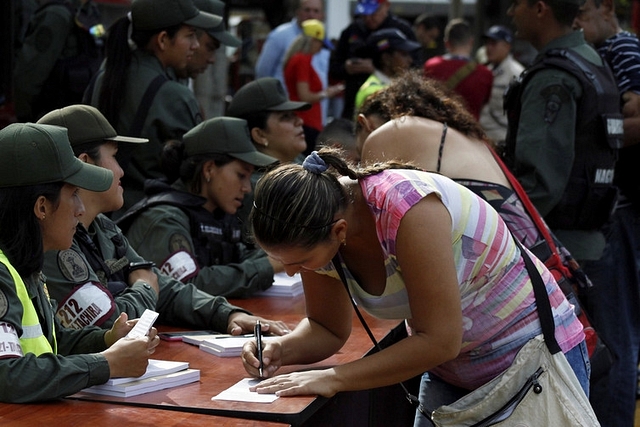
(192, 403)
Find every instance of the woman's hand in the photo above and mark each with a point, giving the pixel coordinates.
(334, 90)
(129, 357)
(271, 358)
(120, 328)
(243, 323)
(322, 382)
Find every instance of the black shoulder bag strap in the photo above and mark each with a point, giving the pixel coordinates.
(410, 397)
(542, 303)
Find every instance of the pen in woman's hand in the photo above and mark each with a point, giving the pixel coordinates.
(258, 333)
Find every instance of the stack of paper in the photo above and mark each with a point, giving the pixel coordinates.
(284, 286)
(197, 339)
(160, 374)
(227, 346)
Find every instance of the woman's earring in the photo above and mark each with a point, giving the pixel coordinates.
(42, 219)
(344, 242)
(208, 179)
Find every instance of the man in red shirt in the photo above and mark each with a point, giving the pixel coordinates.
(458, 71)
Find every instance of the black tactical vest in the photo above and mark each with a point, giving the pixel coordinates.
(590, 195)
(216, 236)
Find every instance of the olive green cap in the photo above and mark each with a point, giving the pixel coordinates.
(85, 124)
(225, 135)
(149, 15)
(218, 32)
(32, 154)
(263, 94)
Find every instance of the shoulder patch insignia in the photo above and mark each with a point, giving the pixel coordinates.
(4, 304)
(72, 266)
(554, 96)
(179, 242)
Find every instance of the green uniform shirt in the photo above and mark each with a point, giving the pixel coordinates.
(50, 376)
(546, 137)
(179, 304)
(173, 112)
(48, 42)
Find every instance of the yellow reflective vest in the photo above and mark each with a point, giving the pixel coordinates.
(32, 339)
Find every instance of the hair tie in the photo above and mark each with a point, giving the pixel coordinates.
(314, 163)
(132, 45)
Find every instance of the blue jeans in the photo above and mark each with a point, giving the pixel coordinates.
(434, 392)
(614, 306)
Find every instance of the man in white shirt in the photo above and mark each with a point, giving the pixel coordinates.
(497, 42)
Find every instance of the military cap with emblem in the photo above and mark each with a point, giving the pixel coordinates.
(86, 124)
(150, 15)
(218, 32)
(225, 135)
(263, 94)
(33, 154)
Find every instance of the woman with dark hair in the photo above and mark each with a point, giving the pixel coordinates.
(190, 228)
(413, 245)
(137, 92)
(39, 211)
(275, 128)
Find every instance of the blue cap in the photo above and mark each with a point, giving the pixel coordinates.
(368, 7)
(499, 32)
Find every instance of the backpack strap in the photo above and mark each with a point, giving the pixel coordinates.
(145, 104)
(461, 74)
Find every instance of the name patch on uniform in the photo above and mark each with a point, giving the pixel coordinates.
(89, 304)
(9, 341)
(181, 266)
(73, 266)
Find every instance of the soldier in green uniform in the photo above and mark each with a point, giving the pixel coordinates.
(102, 275)
(562, 140)
(274, 127)
(138, 92)
(39, 210)
(190, 228)
(62, 50)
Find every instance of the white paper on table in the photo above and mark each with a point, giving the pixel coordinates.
(239, 392)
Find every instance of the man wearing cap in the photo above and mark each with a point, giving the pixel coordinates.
(101, 275)
(613, 301)
(505, 69)
(190, 228)
(270, 62)
(458, 71)
(346, 63)
(391, 52)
